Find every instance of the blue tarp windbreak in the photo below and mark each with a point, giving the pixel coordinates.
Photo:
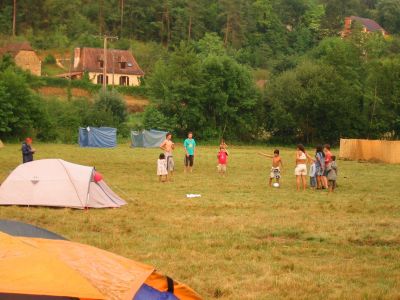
(99, 137)
(147, 138)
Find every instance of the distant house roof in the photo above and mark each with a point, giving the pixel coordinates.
(15, 48)
(369, 24)
(88, 59)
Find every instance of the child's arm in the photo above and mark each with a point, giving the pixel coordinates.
(310, 158)
(162, 146)
(266, 155)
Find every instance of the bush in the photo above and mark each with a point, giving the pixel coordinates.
(50, 59)
(154, 119)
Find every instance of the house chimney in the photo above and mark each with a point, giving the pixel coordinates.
(347, 23)
(77, 57)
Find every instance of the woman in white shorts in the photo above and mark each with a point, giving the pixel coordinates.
(301, 167)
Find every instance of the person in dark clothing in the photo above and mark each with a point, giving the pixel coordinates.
(27, 151)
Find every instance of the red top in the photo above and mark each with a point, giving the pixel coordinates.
(328, 157)
(222, 157)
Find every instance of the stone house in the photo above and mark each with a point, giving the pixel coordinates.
(121, 68)
(24, 56)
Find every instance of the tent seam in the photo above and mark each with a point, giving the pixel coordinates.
(77, 194)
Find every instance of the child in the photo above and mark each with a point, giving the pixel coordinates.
(320, 167)
(331, 172)
(277, 164)
(162, 168)
(313, 176)
(222, 160)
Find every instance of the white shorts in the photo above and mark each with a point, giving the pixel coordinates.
(301, 169)
(221, 168)
(275, 173)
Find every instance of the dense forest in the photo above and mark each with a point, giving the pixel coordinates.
(203, 57)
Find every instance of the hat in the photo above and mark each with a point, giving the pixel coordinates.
(28, 140)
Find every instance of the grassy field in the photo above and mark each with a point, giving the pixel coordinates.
(241, 239)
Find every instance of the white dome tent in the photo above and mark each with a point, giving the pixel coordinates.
(55, 182)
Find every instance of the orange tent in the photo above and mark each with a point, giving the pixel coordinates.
(44, 268)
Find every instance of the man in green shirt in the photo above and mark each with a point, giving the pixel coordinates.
(190, 149)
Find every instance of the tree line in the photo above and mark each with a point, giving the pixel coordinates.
(341, 88)
(201, 58)
(262, 32)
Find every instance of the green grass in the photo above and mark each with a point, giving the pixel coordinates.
(241, 240)
(52, 70)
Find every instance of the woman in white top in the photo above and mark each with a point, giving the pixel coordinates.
(301, 167)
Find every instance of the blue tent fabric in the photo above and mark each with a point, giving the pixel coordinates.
(16, 228)
(99, 137)
(148, 293)
(147, 138)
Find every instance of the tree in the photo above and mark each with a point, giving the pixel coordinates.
(313, 103)
(19, 108)
(389, 15)
(111, 109)
(209, 93)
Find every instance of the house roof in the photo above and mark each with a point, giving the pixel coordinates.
(89, 60)
(369, 24)
(14, 48)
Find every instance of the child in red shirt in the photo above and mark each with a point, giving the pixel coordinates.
(222, 160)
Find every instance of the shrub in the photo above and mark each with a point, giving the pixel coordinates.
(50, 59)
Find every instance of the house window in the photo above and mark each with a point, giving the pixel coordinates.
(124, 80)
(123, 65)
(100, 79)
(101, 63)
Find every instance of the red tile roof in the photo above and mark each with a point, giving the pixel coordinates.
(14, 48)
(89, 61)
(369, 24)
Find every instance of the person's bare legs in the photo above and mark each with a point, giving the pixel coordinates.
(270, 181)
(325, 181)
(319, 182)
(298, 179)
(304, 179)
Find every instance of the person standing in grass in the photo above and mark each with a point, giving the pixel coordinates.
(27, 150)
(277, 165)
(331, 174)
(190, 149)
(320, 167)
(168, 146)
(222, 160)
(313, 176)
(162, 172)
(328, 160)
(301, 167)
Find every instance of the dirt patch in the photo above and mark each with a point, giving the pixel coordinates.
(136, 104)
(261, 84)
(62, 92)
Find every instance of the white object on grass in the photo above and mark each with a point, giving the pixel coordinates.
(193, 195)
(276, 185)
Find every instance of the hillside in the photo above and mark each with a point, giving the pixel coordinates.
(135, 104)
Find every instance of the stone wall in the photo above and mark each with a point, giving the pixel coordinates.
(28, 60)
